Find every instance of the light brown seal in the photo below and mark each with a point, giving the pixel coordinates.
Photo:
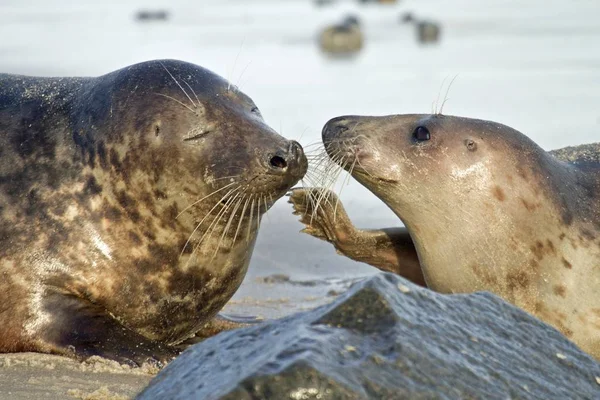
(485, 208)
(342, 39)
(129, 206)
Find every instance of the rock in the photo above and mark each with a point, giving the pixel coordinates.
(387, 338)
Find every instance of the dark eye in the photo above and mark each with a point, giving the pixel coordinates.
(421, 134)
(255, 110)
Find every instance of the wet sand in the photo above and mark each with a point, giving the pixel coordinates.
(30, 376)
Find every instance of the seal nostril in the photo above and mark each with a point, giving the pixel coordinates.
(278, 162)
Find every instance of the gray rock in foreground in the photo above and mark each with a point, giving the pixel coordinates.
(387, 339)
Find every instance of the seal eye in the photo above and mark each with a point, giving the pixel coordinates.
(421, 134)
(255, 110)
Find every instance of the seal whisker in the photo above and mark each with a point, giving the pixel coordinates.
(312, 145)
(178, 84)
(251, 215)
(239, 82)
(177, 101)
(234, 63)
(446, 95)
(302, 134)
(437, 100)
(193, 92)
(355, 127)
(205, 197)
(206, 216)
(237, 231)
(213, 225)
(264, 199)
(226, 229)
(344, 183)
(323, 193)
(258, 215)
(227, 177)
(322, 171)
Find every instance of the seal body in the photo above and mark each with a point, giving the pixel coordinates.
(484, 207)
(342, 39)
(130, 204)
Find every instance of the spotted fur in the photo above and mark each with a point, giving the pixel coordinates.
(103, 185)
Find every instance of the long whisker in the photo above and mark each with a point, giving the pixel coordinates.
(227, 177)
(264, 199)
(211, 228)
(205, 197)
(239, 82)
(177, 101)
(446, 95)
(234, 63)
(250, 223)
(258, 215)
(194, 93)
(231, 217)
(206, 216)
(180, 87)
(237, 231)
(346, 181)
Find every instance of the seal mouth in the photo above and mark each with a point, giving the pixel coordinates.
(348, 153)
(354, 156)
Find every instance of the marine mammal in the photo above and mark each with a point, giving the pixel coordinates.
(130, 205)
(484, 208)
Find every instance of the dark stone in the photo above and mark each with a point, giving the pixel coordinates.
(387, 339)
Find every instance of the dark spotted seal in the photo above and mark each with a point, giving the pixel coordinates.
(130, 205)
(484, 207)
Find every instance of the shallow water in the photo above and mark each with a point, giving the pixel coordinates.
(532, 65)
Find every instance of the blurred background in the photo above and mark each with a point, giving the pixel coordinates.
(531, 64)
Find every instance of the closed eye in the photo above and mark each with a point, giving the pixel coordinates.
(194, 135)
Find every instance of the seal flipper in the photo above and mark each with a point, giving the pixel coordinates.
(83, 329)
(389, 249)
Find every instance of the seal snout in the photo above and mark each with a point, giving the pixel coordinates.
(334, 128)
(290, 160)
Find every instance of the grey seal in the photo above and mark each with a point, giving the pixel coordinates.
(130, 204)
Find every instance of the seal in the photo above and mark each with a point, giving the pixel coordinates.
(342, 39)
(484, 209)
(130, 205)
